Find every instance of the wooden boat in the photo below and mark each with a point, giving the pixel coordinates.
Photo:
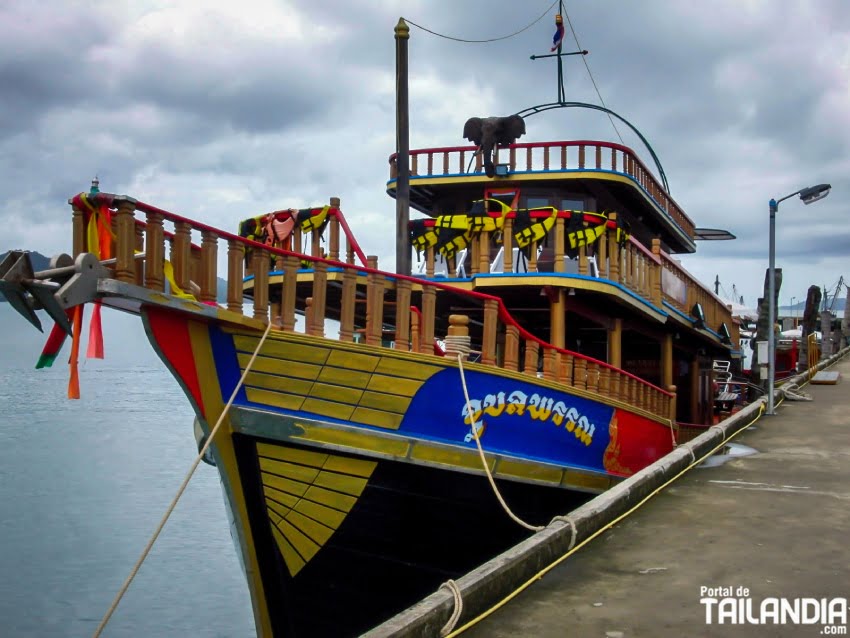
(348, 454)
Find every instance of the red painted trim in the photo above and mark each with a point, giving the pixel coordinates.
(110, 199)
(171, 333)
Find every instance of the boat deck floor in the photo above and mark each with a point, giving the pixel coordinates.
(776, 522)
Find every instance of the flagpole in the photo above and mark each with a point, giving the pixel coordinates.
(561, 93)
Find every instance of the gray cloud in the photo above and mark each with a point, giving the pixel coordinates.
(216, 111)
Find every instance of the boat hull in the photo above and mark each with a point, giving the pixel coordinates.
(354, 479)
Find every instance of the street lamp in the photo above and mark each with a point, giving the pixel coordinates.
(808, 196)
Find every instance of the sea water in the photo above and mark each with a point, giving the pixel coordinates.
(83, 485)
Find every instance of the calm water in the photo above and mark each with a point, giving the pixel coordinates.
(82, 487)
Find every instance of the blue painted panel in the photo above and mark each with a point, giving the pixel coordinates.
(226, 363)
(517, 417)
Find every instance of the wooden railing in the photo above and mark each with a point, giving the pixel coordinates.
(648, 272)
(550, 156)
(682, 290)
(362, 310)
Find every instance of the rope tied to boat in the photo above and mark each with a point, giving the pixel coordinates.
(181, 489)
(574, 533)
(475, 436)
(791, 393)
(457, 609)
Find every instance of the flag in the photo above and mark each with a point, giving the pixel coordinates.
(558, 38)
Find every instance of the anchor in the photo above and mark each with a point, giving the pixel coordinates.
(65, 284)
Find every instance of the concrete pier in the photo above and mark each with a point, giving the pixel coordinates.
(776, 522)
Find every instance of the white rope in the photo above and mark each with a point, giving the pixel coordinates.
(458, 344)
(458, 607)
(180, 491)
(790, 393)
(514, 517)
(574, 532)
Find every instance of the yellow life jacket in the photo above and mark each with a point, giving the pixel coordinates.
(528, 229)
(423, 234)
(313, 219)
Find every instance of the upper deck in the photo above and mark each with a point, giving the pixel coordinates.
(608, 175)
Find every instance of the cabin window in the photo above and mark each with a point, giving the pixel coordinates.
(558, 200)
(569, 203)
(537, 202)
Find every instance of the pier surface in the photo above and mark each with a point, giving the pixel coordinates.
(776, 522)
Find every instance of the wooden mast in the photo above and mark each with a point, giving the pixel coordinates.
(402, 191)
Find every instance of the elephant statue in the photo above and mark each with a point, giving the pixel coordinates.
(487, 132)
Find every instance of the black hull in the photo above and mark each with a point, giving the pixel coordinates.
(411, 529)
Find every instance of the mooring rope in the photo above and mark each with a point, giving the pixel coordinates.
(458, 607)
(514, 517)
(791, 393)
(180, 491)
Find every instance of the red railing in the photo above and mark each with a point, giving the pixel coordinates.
(412, 334)
(550, 156)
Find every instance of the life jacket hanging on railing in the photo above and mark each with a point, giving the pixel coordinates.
(623, 231)
(423, 234)
(277, 229)
(313, 219)
(579, 233)
(488, 215)
(529, 227)
(453, 234)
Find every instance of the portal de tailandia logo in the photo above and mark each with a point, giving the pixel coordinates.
(730, 605)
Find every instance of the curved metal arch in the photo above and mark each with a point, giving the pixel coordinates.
(540, 108)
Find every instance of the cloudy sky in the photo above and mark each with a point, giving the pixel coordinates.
(223, 110)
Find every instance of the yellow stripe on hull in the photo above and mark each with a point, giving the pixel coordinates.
(308, 495)
(331, 380)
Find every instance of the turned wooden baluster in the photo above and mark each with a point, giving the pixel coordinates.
(208, 265)
(672, 402)
(154, 252)
(316, 243)
(604, 380)
(567, 363)
(287, 293)
(308, 313)
(78, 232)
(532, 352)
(429, 262)
(484, 252)
(602, 255)
(125, 227)
(511, 348)
(593, 376)
(429, 304)
(549, 364)
(415, 339)
(613, 252)
(347, 304)
(402, 315)
(614, 385)
(374, 303)
(261, 285)
(181, 247)
(488, 342)
(235, 265)
(138, 248)
(580, 375)
(508, 244)
(560, 239)
(333, 240)
(320, 292)
(557, 366)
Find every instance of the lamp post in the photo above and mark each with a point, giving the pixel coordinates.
(808, 196)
